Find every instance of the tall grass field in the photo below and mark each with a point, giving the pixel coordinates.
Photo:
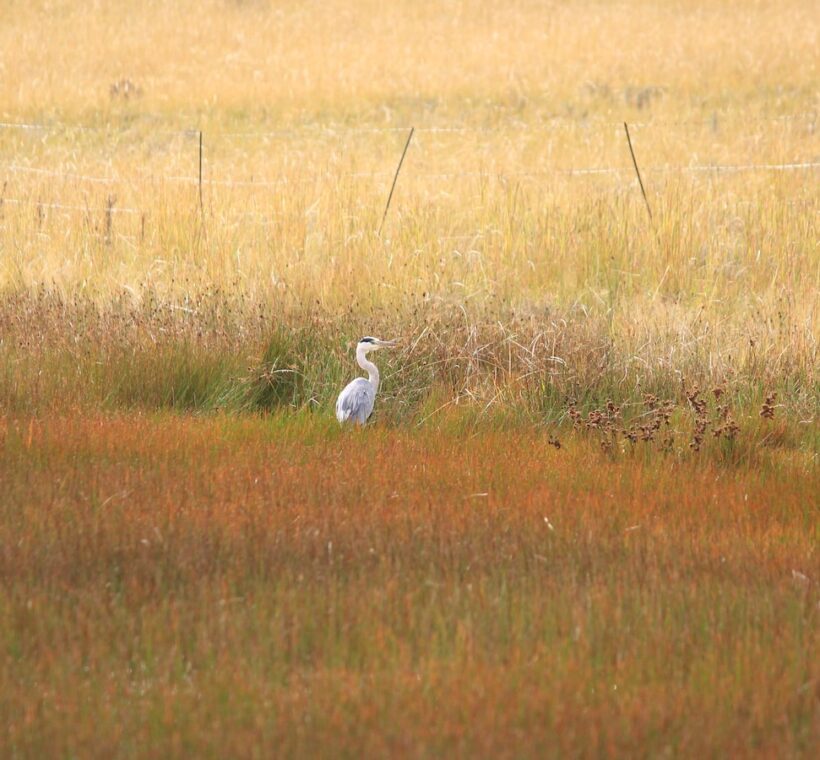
(584, 518)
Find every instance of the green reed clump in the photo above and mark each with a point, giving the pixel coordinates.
(297, 368)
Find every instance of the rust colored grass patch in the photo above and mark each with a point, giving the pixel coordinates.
(219, 586)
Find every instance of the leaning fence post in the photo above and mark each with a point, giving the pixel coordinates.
(637, 171)
(396, 177)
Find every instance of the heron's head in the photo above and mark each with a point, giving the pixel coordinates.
(369, 343)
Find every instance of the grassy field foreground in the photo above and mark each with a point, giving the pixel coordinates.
(221, 587)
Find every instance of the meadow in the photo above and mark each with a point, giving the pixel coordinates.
(584, 519)
(183, 586)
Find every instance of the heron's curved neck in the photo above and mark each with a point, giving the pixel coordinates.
(371, 369)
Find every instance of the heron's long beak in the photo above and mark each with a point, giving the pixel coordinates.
(386, 343)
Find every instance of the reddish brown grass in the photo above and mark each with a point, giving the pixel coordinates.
(178, 586)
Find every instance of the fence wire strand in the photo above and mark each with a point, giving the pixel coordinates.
(339, 130)
(500, 175)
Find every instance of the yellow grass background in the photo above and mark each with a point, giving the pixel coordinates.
(340, 58)
(551, 82)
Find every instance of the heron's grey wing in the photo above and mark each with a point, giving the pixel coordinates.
(355, 402)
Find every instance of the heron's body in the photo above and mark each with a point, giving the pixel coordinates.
(355, 403)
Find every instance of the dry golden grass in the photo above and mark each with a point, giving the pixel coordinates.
(480, 216)
(551, 83)
(352, 58)
(294, 101)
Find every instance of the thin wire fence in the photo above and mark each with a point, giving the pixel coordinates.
(310, 176)
(306, 177)
(336, 130)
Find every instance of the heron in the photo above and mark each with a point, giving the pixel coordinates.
(356, 401)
